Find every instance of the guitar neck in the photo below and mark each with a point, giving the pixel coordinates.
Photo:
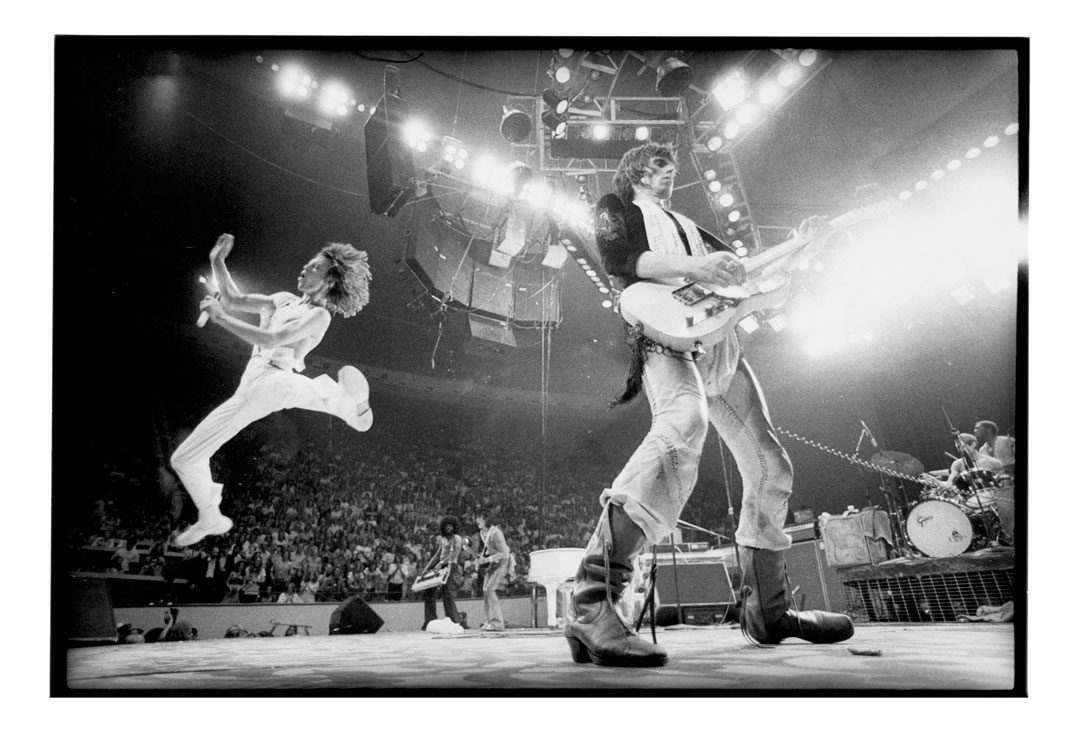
(756, 264)
(770, 256)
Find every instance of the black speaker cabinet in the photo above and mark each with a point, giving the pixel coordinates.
(693, 584)
(354, 616)
(90, 611)
(818, 585)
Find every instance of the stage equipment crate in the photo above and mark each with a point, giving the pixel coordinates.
(928, 590)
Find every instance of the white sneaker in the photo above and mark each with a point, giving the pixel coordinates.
(356, 385)
(210, 523)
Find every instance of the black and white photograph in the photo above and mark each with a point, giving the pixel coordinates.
(539, 366)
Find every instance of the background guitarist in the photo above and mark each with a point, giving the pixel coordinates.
(640, 239)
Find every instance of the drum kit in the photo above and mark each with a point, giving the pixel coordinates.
(946, 519)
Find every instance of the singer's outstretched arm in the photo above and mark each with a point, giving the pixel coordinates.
(231, 296)
(312, 324)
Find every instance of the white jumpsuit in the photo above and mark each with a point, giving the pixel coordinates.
(269, 384)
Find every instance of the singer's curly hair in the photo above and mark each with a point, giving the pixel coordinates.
(636, 163)
(349, 275)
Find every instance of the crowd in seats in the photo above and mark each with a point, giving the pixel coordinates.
(313, 525)
(322, 515)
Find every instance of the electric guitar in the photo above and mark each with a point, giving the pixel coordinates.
(694, 316)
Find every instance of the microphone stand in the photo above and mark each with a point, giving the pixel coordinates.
(858, 446)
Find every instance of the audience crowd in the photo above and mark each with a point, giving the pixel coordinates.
(313, 524)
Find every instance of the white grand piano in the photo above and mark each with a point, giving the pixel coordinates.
(551, 568)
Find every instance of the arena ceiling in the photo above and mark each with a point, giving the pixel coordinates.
(164, 143)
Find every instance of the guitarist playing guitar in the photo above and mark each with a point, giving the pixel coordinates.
(641, 240)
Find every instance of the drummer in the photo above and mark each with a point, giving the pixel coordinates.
(959, 468)
(997, 446)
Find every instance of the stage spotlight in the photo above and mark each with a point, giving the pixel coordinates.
(953, 164)
(738, 245)
(1012, 129)
(770, 92)
(905, 195)
(641, 133)
(973, 153)
(731, 90)
(554, 122)
(808, 57)
(734, 216)
(937, 174)
(991, 141)
(715, 186)
(789, 75)
(565, 52)
(673, 77)
(421, 146)
(515, 125)
(301, 91)
(714, 143)
(726, 199)
(749, 324)
(964, 294)
(559, 103)
(361, 108)
(562, 74)
(520, 176)
(741, 252)
(731, 130)
(275, 67)
(921, 185)
(606, 304)
(601, 132)
(746, 114)
(710, 174)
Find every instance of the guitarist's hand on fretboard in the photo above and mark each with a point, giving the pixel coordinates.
(720, 268)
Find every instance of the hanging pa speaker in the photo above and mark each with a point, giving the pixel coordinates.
(389, 160)
(354, 616)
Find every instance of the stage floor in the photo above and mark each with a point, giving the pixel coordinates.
(944, 657)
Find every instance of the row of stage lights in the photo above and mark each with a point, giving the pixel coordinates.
(333, 98)
(510, 180)
(742, 105)
(824, 343)
(953, 165)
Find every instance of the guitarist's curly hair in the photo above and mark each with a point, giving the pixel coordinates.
(636, 163)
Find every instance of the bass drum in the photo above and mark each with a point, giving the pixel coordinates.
(939, 528)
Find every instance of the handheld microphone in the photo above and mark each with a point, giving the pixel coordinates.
(869, 433)
(204, 316)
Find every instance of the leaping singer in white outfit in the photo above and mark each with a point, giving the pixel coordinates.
(290, 326)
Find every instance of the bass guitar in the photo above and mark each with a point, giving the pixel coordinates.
(693, 316)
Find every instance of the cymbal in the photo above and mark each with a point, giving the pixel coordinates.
(943, 473)
(900, 462)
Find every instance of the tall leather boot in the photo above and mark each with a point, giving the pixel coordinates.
(767, 614)
(596, 632)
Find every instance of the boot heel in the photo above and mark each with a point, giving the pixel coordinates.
(578, 651)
